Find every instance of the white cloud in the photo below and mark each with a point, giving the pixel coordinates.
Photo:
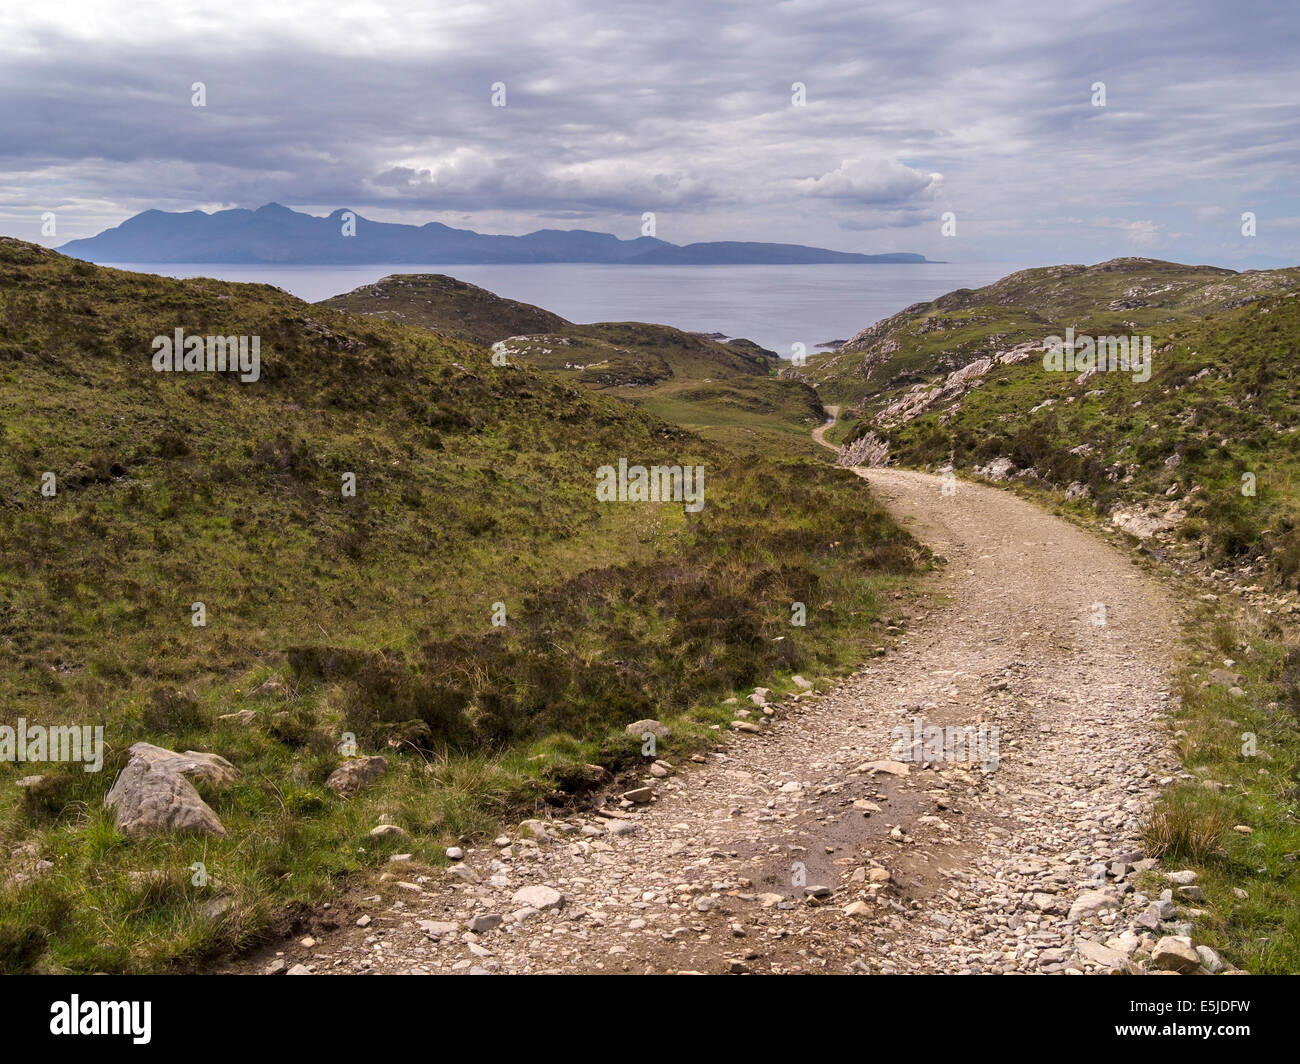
(872, 180)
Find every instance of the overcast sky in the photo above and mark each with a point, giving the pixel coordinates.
(686, 109)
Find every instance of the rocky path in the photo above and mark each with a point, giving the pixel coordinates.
(804, 846)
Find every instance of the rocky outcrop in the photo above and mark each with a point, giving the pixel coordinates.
(870, 450)
(998, 469)
(954, 386)
(1149, 520)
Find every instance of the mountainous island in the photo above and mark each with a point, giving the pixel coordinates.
(279, 235)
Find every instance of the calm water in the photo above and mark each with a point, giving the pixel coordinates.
(776, 306)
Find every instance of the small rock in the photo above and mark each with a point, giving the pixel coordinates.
(889, 768)
(1099, 954)
(1086, 904)
(1174, 953)
(355, 774)
(153, 793)
(538, 897)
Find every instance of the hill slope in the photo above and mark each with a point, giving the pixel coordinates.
(448, 306)
(961, 382)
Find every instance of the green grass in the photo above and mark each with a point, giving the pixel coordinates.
(748, 415)
(1251, 747)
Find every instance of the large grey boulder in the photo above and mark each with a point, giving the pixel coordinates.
(153, 794)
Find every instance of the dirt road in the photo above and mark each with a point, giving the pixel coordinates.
(819, 433)
(1032, 627)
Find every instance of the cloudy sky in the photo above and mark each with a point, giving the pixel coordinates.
(688, 109)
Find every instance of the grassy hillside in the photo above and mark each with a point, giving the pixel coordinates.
(1219, 414)
(925, 341)
(329, 614)
(726, 391)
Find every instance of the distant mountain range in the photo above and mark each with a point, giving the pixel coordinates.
(274, 234)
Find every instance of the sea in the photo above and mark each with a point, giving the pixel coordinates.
(777, 307)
